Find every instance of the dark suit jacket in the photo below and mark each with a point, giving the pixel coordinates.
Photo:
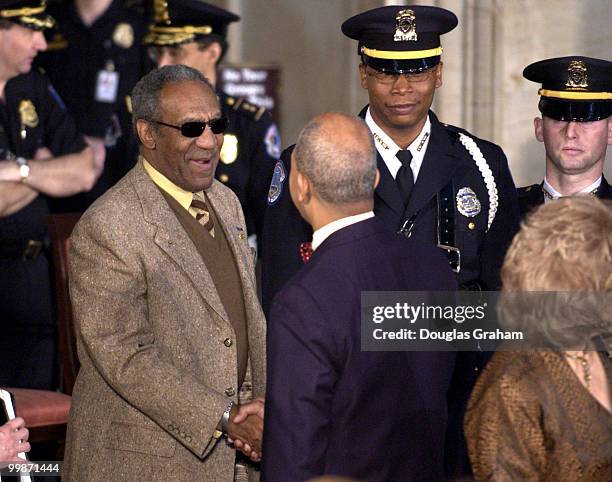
(446, 160)
(332, 408)
(530, 197)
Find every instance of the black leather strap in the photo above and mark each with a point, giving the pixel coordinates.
(446, 227)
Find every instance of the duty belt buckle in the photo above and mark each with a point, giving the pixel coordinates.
(32, 250)
(454, 256)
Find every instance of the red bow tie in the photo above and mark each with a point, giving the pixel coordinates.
(306, 251)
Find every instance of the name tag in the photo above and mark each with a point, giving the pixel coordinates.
(107, 86)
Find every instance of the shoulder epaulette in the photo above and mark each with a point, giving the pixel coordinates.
(240, 104)
(454, 131)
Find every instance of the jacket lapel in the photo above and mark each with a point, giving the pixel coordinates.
(604, 191)
(232, 230)
(437, 169)
(174, 241)
(387, 189)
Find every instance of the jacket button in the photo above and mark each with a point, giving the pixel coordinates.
(230, 392)
(227, 342)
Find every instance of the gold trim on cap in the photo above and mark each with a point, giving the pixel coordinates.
(18, 12)
(401, 54)
(190, 29)
(561, 94)
(174, 35)
(47, 22)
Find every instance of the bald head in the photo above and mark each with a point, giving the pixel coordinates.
(336, 153)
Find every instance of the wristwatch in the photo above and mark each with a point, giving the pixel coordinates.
(24, 168)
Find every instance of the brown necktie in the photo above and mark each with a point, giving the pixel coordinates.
(198, 204)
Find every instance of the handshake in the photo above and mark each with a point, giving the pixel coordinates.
(245, 428)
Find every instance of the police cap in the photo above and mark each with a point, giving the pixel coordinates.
(398, 39)
(27, 13)
(574, 88)
(181, 21)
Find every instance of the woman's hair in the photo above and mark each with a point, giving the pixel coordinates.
(557, 274)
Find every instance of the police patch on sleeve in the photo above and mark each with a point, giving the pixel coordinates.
(272, 141)
(278, 179)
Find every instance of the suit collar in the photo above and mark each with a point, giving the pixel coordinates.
(351, 233)
(605, 190)
(437, 170)
(321, 234)
(172, 238)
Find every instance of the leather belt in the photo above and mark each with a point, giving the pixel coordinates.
(26, 250)
(446, 227)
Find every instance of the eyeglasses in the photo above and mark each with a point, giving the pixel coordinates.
(196, 128)
(392, 77)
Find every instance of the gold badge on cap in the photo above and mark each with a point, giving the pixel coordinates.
(577, 75)
(27, 113)
(229, 151)
(467, 202)
(123, 36)
(160, 11)
(405, 26)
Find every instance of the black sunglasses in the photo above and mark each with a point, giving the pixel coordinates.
(196, 128)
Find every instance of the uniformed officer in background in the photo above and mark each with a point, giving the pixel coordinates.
(94, 58)
(575, 127)
(42, 155)
(438, 183)
(193, 33)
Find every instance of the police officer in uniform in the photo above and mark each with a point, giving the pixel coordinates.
(42, 155)
(438, 183)
(193, 33)
(94, 58)
(575, 127)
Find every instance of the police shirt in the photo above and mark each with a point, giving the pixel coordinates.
(251, 147)
(34, 116)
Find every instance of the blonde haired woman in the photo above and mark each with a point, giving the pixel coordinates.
(547, 414)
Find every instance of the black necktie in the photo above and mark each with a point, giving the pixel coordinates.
(404, 178)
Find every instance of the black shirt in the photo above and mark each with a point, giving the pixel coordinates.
(34, 116)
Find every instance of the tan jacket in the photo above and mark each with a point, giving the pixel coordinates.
(156, 372)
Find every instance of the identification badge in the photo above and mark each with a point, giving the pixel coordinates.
(107, 86)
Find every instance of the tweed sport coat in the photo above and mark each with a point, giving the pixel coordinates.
(156, 372)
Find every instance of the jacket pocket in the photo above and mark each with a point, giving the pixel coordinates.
(136, 438)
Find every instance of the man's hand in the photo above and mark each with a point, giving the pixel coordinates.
(99, 152)
(245, 428)
(13, 439)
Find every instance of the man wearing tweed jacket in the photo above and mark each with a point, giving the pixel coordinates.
(171, 334)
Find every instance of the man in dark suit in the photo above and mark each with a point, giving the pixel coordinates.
(332, 408)
(575, 127)
(438, 183)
